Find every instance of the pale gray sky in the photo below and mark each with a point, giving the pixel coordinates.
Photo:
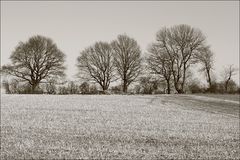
(76, 25)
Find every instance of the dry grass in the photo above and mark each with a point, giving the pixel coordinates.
(118, 127)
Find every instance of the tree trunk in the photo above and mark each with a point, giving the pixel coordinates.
(181, 91)
(104, 88)
(168, 87)
(209, 79)
(226, 86)
(33, 88)
(178, 89)
(125, 87)
(183, 80)
(178, 86)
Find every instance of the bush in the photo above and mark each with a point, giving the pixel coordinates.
(84, 88)
(63, 90)
(51, 88)
(213, 89)
(116, 89)
(72, 88)
(195, 88)
(16, 87)
(232, 87)
(6, 86)
(93, 89)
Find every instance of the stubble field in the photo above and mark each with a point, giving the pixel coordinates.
(119, 127)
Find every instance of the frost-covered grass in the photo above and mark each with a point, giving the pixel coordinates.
(118, 127)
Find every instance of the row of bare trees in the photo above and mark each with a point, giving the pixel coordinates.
(39, 59)
(174, 52)
(105, 63)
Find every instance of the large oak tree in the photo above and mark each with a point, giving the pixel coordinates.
(127, 59)
(35, 60)
(96, 63)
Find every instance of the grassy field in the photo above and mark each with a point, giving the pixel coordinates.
(119, 127)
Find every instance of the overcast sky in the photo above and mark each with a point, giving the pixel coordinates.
(75, 25)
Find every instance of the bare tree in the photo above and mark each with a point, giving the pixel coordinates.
(227, 75)
(180, 42)
(205, 57)
(36, 60)
(96, 63)
(159, 63)
(127, 59)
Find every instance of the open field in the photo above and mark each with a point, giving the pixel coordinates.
(119, 127)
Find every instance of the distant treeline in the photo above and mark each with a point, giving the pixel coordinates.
(146, 85)
(37, 66)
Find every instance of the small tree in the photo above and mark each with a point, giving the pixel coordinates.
(137, 89)
(205, 57)
(51, 87)
(14, 86)
(35, 60)
(227, 75)
(127, 59)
